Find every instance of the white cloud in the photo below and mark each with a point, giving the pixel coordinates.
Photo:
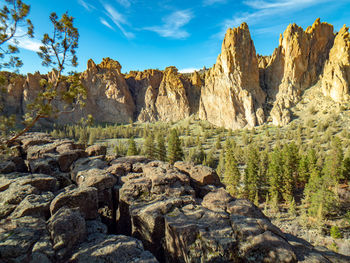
(118, 19)
(173, 24)
(30, 44)
(267, 9)
(188, 70)
(86, 5)
(23, 41)
(212, 2)
(125, 3)
(104, 22)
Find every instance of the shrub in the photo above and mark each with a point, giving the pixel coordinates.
(335, 232)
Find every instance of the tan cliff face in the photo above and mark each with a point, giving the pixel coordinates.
(108, 95)
(296, 65)
(232, 96)
(336, 75)
(172, 103)
(144, 87)
(242, 89)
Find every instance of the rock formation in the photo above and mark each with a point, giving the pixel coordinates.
(232, 97)
(144, 87)
(172, 103)
(241, 90)
(336, 75)
(296, 65)
(108, 95)
(130, 209)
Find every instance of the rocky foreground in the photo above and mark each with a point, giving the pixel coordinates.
(60, 202)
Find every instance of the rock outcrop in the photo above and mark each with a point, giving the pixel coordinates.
(172, 103)
(232, 97)
(144, 87)
(242, 89)
(295, 66)
(336, 75)
(108, 95)
(133, 210)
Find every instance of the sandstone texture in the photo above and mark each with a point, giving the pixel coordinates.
(242, 89)
(172, 103)
(232, 97)
(133, 210)
(295, 66)
(336, 75)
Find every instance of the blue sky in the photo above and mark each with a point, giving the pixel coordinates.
(184, 33)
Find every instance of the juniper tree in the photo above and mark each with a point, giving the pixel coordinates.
(175, 152)
(220, 169)
(232, 174)
(251, 175)
(289, 174)
(57, 52)
(14, 24)
(132, 150)
(160, 149)
(275, 171)
(149, 147)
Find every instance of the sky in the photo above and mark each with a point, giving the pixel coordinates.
(143, 34)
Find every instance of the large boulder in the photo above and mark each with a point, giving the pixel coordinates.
(112, 249)
(67, 229)
(84, 198)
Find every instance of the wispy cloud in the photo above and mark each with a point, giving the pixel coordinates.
(173, 24)
(27, 43)
(118, 19)
(86, 5)
(267, 9)
(212, 2)
(125, 3)
(104, 22)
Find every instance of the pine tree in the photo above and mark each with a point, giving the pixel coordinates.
(333, 168)
(209, 159)
(161, 150)
(220, 169)
(231, 174)
(251, 176)
(132, 150)
(274, 172)
(175, 152)
(290, 168)
(149, 147)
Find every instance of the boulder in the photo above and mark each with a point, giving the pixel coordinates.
(67, 229)
(34, 205)
(19, 236)
(96, 150)
(112, 249)
(84, 198)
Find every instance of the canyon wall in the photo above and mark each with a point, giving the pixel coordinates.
(242, 89)
(232, 97)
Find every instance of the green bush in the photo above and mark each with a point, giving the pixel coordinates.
(335, 232)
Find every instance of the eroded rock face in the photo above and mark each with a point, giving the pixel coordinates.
(336, 75)
(296, 65)
(232, 97)
(144, 87)
(172, 103)
(108, 95)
